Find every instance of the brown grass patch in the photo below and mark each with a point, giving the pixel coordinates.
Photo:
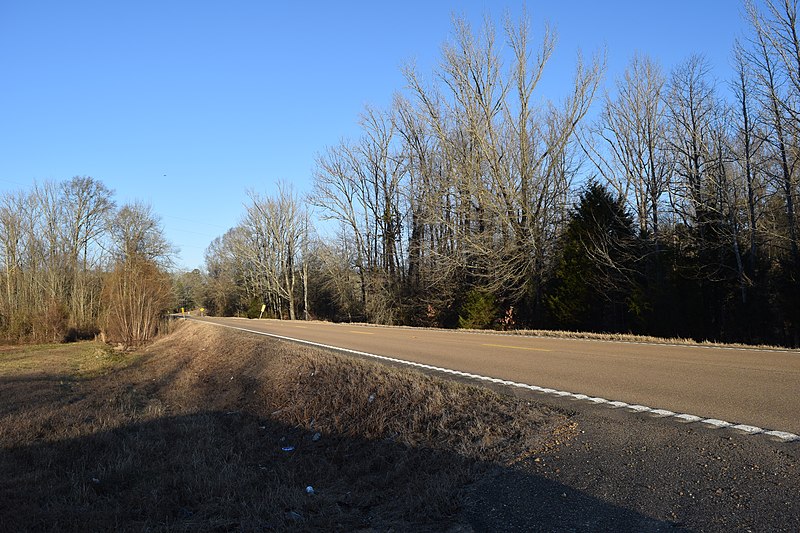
(208, 429)
(588, 335)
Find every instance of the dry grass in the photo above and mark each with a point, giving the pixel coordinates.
(629, 337)
(587, 335)
(189, 434)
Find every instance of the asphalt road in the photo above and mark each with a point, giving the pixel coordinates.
(743, 386)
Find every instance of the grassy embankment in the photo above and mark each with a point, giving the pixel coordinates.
(210, 429)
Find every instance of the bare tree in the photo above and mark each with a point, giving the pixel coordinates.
(634, 157)
(776, 58)
(507, 165)
(749, 144)
(776, 27)
(360, 186)
(52, 256)
(275, 230)
(87, 205)
(135, 231)
(691, 101)
(728, 193)
(226, 288)
(13, 250)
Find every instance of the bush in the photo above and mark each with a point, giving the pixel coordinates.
(254, 309)
(136, 294)
(479, 310)
(50, 324)
(18, 327)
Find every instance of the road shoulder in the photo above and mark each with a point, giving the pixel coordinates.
(629, 472)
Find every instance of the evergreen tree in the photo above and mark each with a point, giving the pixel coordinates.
(596, 281)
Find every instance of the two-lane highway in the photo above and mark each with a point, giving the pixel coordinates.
(749, 386)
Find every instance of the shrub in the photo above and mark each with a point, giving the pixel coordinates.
(136, 294)
(479, 310)
(254, 309)
(50, 324)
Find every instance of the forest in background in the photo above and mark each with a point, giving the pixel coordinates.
(75, 265)
(474, 202)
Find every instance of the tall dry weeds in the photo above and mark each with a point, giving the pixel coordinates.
(207, 429)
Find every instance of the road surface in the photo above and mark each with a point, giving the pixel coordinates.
(742, 386)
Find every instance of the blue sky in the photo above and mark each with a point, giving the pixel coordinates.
(188, 104)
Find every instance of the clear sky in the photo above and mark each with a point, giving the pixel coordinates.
(187, 104)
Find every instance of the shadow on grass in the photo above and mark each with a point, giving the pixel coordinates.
(209, 431)
(217, 471)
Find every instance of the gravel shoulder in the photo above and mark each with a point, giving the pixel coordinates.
(629, 472)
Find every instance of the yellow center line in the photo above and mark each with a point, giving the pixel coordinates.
(361, 332)
(517, 347)
(302, 327)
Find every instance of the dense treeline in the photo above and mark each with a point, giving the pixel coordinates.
(74, 265)
(475, 202)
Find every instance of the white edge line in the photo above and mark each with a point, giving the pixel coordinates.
(747, 428)
(662, 412)
(716, 423)
(688, 418)
(784, 436)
